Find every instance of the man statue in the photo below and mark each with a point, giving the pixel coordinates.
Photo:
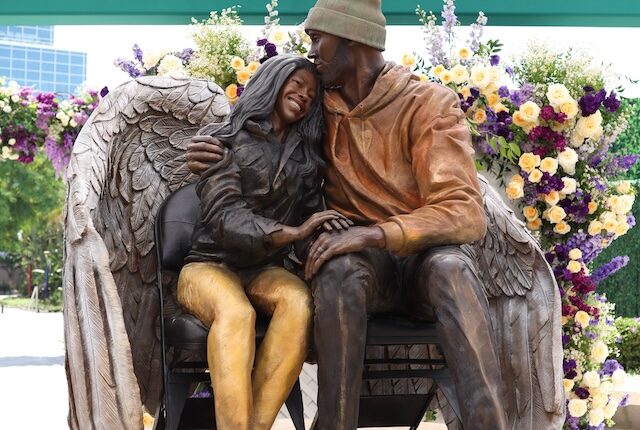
(400, 165)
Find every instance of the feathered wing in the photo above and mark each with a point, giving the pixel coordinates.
(128, 157)
(525, 310)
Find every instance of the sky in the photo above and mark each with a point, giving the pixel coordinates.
(614, 46)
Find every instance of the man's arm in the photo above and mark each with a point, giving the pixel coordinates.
(203, 152)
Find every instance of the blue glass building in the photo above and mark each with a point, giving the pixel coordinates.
(26, 56)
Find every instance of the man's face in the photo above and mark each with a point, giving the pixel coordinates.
(331, 56)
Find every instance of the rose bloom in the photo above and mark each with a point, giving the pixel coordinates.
(626, 203)
(567, 159)
(591, 379)
(590, 127)
(577, 407)
(169, 64)
(530, 213)
(611, 408)
(460, 74)
(575, 254)
(465, 92)
(253, 67)
(621, 229)
(150, 59)
(549, 165)
(623, 187)
(492, 99)
(534, 224)
(582, 317)
(562, 228)
(568, 385)
(514, 190)
(480, 76)
(528, 161)
(595, 227)
(608, 216)
(464, 53)
(557, 94)
(570, 186)
(243, 76)
(446, 77)
(519, 120)
(499, 107)
(518, 180)
(574, 266)
(277, 36)
(599, 401)
(569, 108)
(599, 352)
(593, 206)
(423, 77)
(408, 60)
(535, 176)
(596, 416)
(231, 92)
(619, 377)
(552, 198)
(438, 69)
(529, 111)
(237, 63)
(480, 116)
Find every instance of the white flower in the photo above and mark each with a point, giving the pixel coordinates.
(570, 185)
(6, 109)
(63, 118)
(15, 98)
(582, 318)
(623, 187)
(8, 154)
(459, 74)
(599, 400)
(596, 416)
(567, 159)
(591, 379)
(529, 111)
(481, 76)
(150, 59)
(277, 36)
(568, 385)
(170, 63)
(577, 407)
(12, 141)
(619, 378)
(611, 408)
(589, 127)
(599, 352)
(557, 94)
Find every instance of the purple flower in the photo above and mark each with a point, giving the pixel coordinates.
(611, 103)
(240, 90)
(185, 55)
(590, 102)
(104, 91)
(503, 91)
(271, 50)
(475, 92)
(261, 42)
(624, 401)
(127, 67)
(509, 70)
(608, 269)
(494, 60)
(137, 52)
(582, 392)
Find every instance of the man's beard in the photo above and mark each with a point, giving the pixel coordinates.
(333, 73)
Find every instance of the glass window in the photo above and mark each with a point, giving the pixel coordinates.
(46, 76)
(46, 86)
(18, 52)
(62, 57)
(61, 77)
(33, 76)
(48, 56)
(33, 65)
(62, 68)
(4, 51)
(33, 54)
(17, 63)
(47, 67)
(77, 70)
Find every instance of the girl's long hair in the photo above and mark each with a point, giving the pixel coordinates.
(258, 102)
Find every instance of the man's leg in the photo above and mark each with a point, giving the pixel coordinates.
(446, 280)
(344, 290)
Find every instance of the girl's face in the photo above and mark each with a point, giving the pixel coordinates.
(296, 96)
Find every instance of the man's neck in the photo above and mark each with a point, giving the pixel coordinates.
(358, 85)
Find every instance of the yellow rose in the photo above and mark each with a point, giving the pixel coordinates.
(492, 99)
(577, 407)
(519, 120)
(529, 111)
(574, 266)
(591, 379)
(528, 161)
(517, 179)
(621, 229)
(514, 190)
(253, 67)
(593, 206)
(569, 108)
(582, 317)
(464, 53)
(408, 60)
(231, 92)
(568, 385)
(460, 74)
(557, 94)
(596, 416)
(438, 69)
(590, 127)
(575, 254)
(599, 401)
(423, 77)
(530, 213)
(549, 165)
(535, 224)
(465, 92)
(237, 63)
(599, 352)
(595, 227)
(499, 107)
(446, 77)
(480, 116)
(562, 228)
(552, 198)
(626, 203)
(623, 187)
(535, 176)
(243, 76)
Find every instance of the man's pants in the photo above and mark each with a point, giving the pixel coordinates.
(440, 282)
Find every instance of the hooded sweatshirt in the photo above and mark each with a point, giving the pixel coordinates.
(402, 159)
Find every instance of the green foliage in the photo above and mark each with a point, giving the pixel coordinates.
(31, 200)
(629, 329)
(623, 287)
(218, 39)
(628, 142)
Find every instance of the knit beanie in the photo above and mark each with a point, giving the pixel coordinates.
(357, 20)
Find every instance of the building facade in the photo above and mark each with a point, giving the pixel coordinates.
(28, 57)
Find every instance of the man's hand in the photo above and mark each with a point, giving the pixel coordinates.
(202, 152)
(333, 243)
(330, 220)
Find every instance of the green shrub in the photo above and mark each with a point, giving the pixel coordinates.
(629, 140)
(629, 329)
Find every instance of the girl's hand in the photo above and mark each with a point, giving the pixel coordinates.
(329, 220)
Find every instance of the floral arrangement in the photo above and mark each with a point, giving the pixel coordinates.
(152, 63)
(32, 121)
(546, 125)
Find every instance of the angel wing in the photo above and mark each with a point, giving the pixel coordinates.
(128, 157)
(525, 310)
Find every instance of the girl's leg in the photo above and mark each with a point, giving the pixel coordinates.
(287, 299)
(215, 295)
